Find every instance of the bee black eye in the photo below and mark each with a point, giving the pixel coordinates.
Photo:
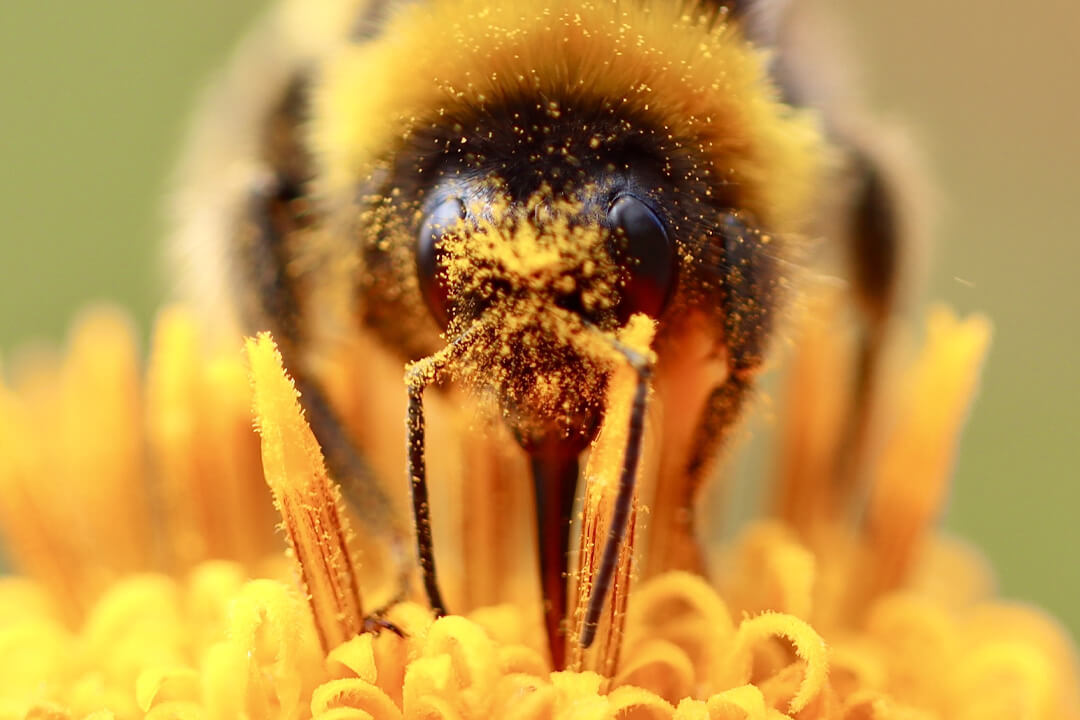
(430, 261)
(647, 256)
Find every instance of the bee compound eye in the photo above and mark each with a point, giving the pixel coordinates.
(644, 251)
(430, 256)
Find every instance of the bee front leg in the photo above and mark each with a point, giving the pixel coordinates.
(418, 375)
(875, 242)
(417, 378)
(727, 348)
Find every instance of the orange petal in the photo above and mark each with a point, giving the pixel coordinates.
(911, 478)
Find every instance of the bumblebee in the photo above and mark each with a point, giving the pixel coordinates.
(493, 190)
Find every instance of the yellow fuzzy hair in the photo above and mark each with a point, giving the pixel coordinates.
(705, 85)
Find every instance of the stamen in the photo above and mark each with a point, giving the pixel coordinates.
(806, 496)
(596, 578)
(912, 474)
(310, 504)
(623, 502)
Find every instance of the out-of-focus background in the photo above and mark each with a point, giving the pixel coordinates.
(96, 96)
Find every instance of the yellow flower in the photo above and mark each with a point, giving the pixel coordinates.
(151, 583)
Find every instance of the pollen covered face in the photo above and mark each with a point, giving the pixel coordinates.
(603, 116)
(524, 286)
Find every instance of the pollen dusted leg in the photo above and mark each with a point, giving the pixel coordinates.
(425, 548)
(418, 375)
(677, 546)
(746, 300)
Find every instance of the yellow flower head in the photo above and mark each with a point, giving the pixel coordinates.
(151, 584)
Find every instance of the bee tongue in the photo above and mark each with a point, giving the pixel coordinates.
(555, 477)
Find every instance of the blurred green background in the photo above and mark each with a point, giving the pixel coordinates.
(96, 96)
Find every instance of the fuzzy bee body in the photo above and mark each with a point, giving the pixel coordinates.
(511, 180)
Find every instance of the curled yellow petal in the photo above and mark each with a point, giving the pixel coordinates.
(629, 701)
(917, 643)
(355, 694)
(683, 609)
(473, 661)
(772, 570)
(424, 678)
(1023, 654)
(808, 645)
(663, 667)
(1005, 679)
(210, 590)
(521, 659)
(275, 629)
(357, 656)
(741, 703)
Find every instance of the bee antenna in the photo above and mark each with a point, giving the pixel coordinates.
(418, 375)
(624, 499)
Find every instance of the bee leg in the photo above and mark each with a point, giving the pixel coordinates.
(418, 375)
(874, 246)
(751, 291)
(417, 378)
(264, 255)
(375, 622)
(723, 411)
(745, 302)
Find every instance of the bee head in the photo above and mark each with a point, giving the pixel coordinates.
(546, 170)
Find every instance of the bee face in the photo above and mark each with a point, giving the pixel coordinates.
(535, 244)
